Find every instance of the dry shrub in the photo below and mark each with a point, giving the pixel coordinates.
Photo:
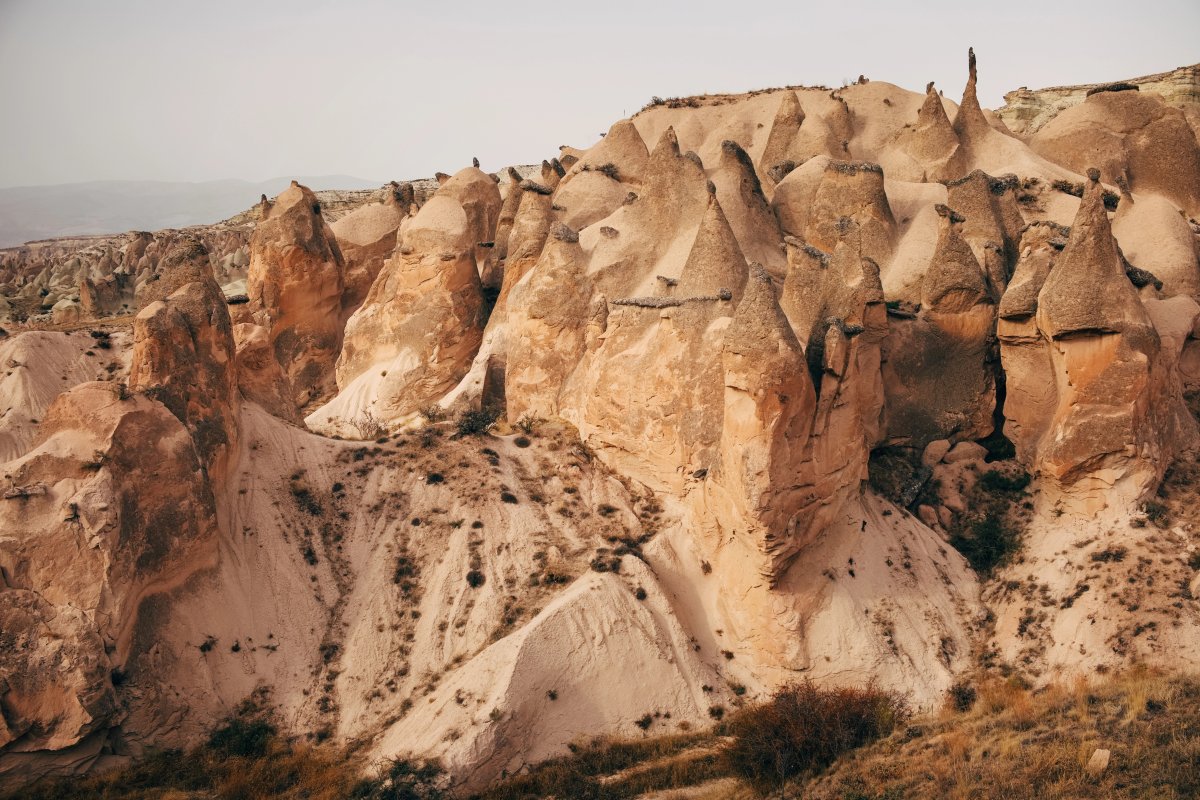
(802, 729)
(369, 426)
(246, 759)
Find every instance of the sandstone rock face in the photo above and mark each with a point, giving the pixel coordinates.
(811, 205)
(1129, 136)
(933, 140)
(1025, 111)
(102, 529)
(295, 284)
(769, 405)
(754, 381)
(939, 376)
(259, 376)
(183, 356)
(415, 335)
(366, 237)
(479, 197)
(1100, 410)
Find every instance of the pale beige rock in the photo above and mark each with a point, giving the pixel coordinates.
(366, 237)
(965, 451)
(934, 451)
(479, 197)
(1129, 136)
(415, 335)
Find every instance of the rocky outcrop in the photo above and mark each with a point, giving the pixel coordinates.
(1025, 111)
(939, 378)
(1099, 414)
(415, 335)
(260, 378)
(546, 329)
(479, 196)
(992, 222)
(184, 357)
(933, 142)
(812, 201)
(295, 285)
(1133, 138)
(504, 223)
(103, 528)
(366, 237)
(769, 405)
(531, 226)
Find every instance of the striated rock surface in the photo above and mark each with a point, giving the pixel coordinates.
(1025, 110)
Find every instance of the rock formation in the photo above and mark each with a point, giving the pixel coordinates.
(366, 237)
(295, 284)
(449, 467)
(418, 329)
(1113, 420)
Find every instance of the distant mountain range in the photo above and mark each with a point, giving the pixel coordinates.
(28, 213)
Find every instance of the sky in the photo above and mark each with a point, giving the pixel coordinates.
(161, 90)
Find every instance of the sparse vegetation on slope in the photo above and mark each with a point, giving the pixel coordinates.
(995, 738)
(246, 758)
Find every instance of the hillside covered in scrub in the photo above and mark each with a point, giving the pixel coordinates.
(580, 472)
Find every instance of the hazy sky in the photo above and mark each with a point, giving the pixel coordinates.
(163, 90)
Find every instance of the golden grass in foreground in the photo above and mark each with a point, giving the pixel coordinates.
(1012, 743)
(1017, 743)
(246, 759)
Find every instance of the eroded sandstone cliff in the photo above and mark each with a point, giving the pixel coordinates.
(779, 381)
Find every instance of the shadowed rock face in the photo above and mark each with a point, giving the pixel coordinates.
(102, 528)
(183, 356)
(295, 284)
(939, 378)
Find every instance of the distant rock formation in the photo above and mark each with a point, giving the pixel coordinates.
(1025, 111)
